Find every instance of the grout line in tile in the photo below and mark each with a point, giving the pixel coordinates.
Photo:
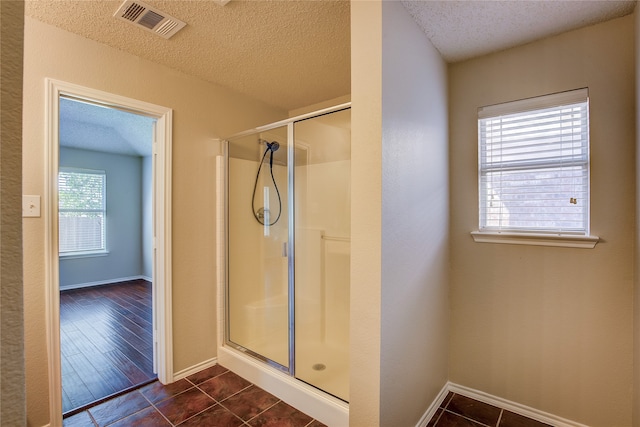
(208, 379)
(448, 401)
(162, 415)
(241, 420)
(130, 415)
(228, 397)
(214, 403)
(178, 394)
(157, 410)
(195, 415)
(265, 410)
(500, 417)
(221, 403)
(214, 399)
(439, 416)
(466, 418)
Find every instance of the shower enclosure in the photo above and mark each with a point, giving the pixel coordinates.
(288, 247)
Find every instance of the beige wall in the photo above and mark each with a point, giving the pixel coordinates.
(636, 281)
(366, 218)
(12, 392)
(201, 111)
(399, 296)
(550, 328)
(415, 220)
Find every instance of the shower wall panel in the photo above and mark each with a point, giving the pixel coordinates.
(322, 261)
(322, 235)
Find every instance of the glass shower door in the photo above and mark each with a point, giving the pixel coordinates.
(257, 262)
(322, 200)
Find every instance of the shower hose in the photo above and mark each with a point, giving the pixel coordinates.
(271, 148)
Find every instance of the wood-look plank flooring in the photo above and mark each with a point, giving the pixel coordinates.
(106, 341)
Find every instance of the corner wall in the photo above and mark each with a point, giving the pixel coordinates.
(636, 275)
(399, 278)
(366, 215)
(550, 328)
(202, 111)
(415, 220)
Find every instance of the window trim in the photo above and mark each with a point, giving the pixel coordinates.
(92, 252)
(83, 254)
(536, 239)
(578, 239)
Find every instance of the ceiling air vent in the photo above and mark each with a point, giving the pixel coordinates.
(149, 18)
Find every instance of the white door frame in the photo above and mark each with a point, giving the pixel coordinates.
(162, 330)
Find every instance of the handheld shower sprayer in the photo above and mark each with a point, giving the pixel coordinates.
(262, 214)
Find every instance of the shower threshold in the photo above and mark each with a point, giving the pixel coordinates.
(314, 402)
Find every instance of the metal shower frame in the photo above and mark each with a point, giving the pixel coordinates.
(289, 123)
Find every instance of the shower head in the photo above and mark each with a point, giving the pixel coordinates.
(271, 146)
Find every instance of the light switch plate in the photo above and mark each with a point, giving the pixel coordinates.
(30, 206)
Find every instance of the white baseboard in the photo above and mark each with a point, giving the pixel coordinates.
(102, 282)
(517, 408)
(434, 406)
(194, 369)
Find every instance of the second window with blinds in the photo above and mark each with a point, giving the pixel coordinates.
(534, 166)
(82, 212)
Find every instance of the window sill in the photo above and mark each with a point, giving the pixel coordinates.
(557, 240)
(73, 255)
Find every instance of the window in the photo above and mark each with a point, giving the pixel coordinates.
(82, 211)
(534, 165)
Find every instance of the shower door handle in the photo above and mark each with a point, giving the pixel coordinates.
(284, 249)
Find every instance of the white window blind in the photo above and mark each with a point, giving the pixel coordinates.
(82, 211)
(534, 165)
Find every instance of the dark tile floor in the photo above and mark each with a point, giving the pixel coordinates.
(212, 397)
(218, 397)
(461, 411)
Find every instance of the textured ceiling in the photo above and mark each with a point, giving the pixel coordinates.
(465, 29)
(97, 128)
(295, 53)
(289, 54)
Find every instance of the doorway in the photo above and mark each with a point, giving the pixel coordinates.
(105, 251)
(75, 264)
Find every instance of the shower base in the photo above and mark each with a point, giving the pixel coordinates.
(324, 366)
(323, 407)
